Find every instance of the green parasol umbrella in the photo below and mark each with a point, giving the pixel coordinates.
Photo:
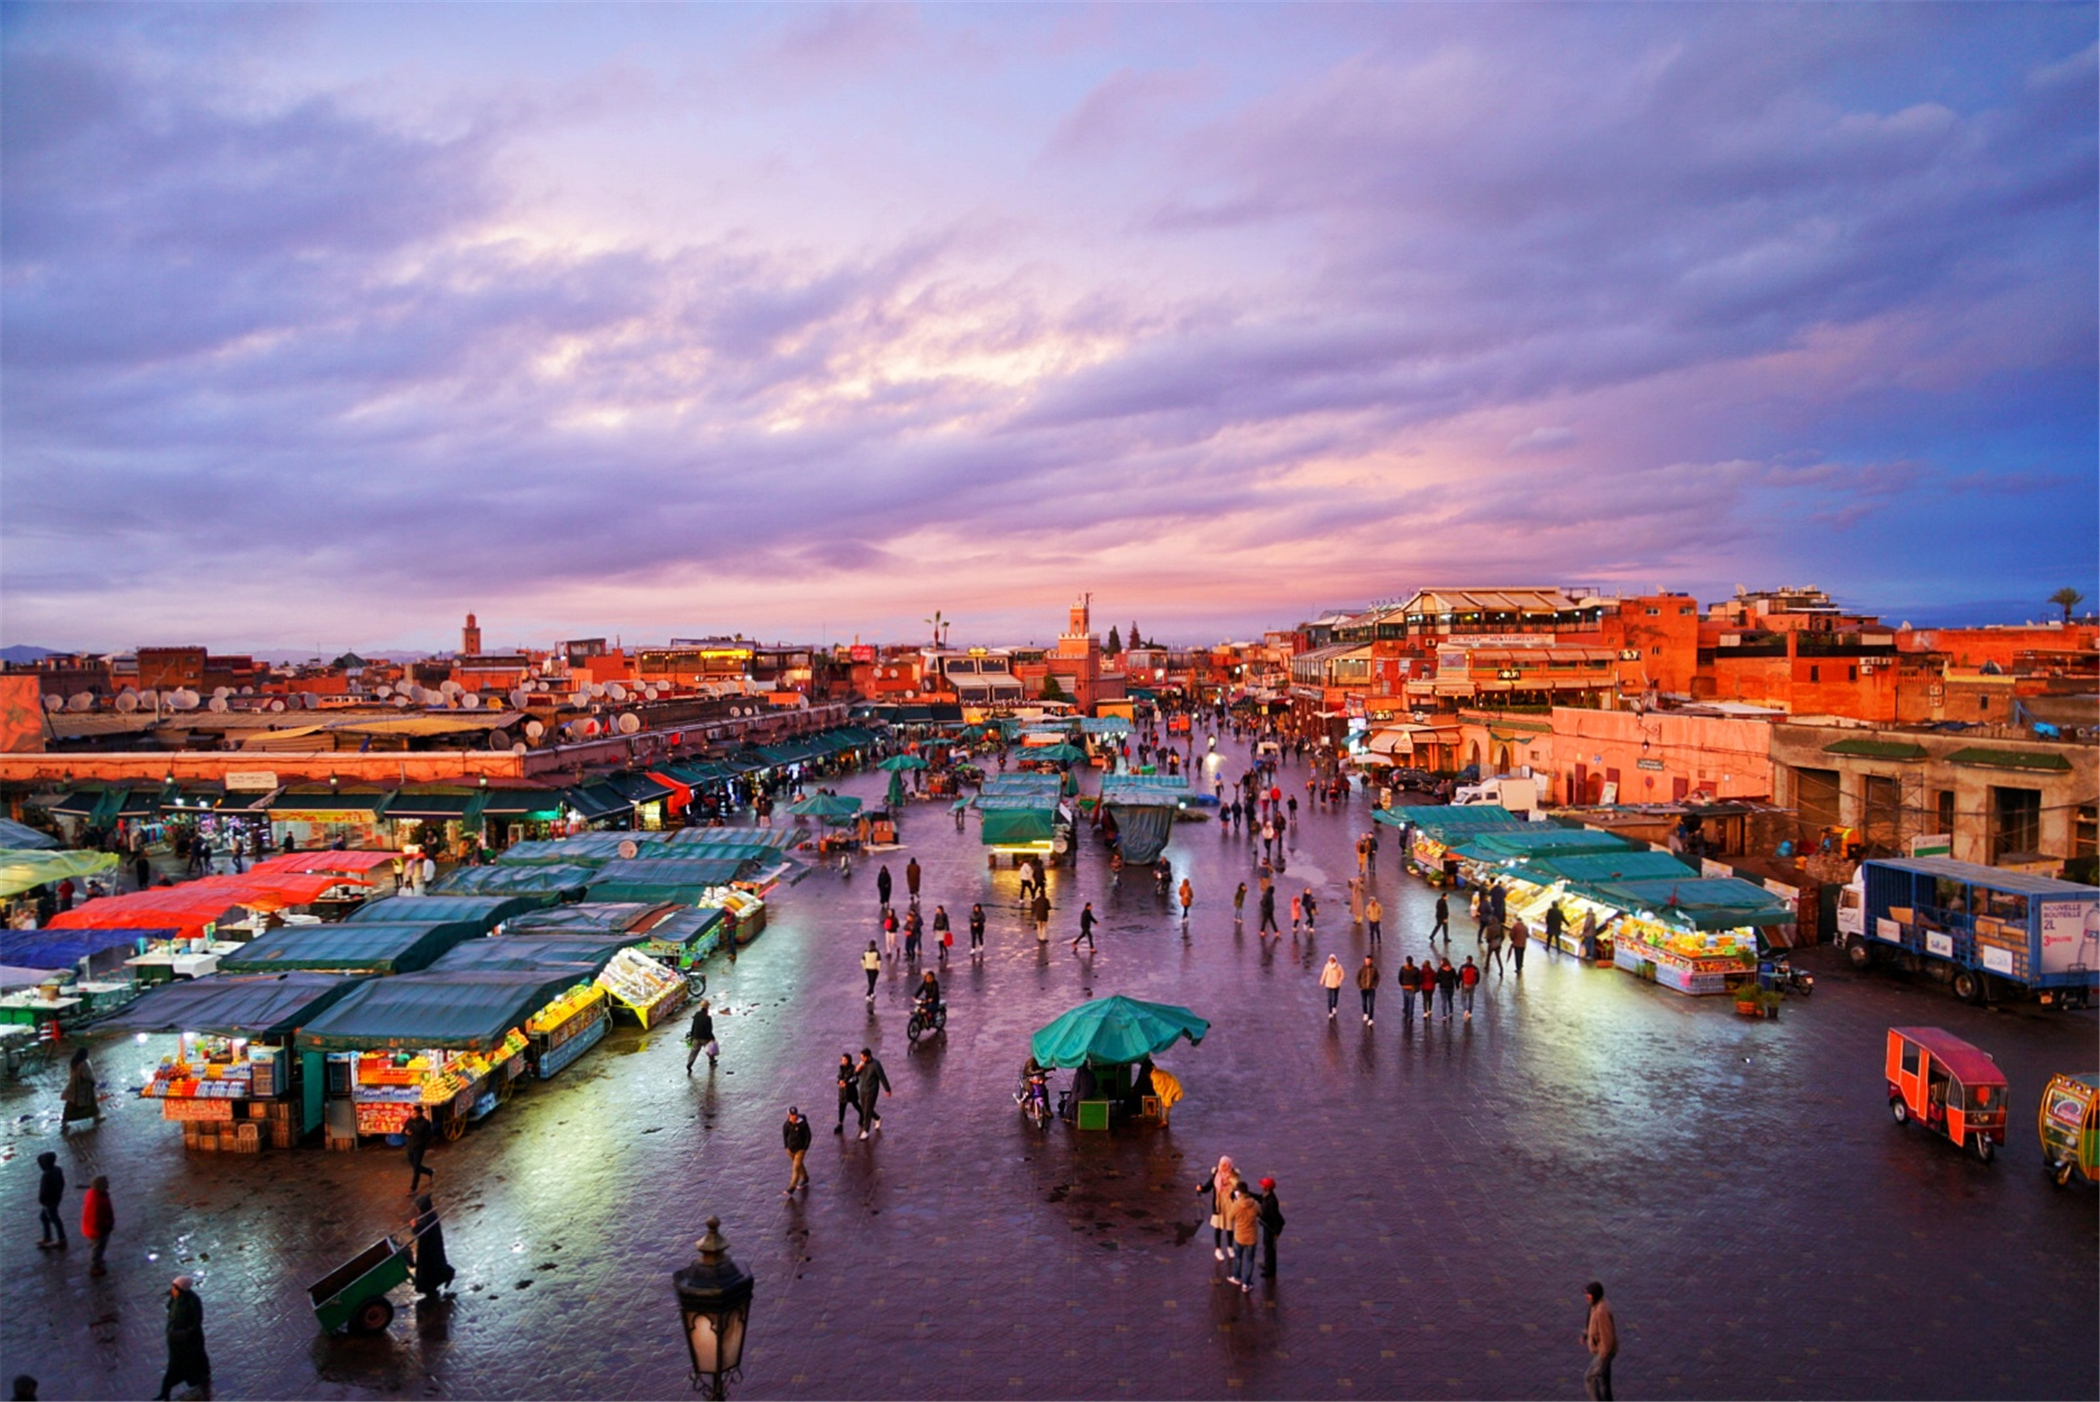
(1114, 1031)
(897, 762)
(20, 870)
(831, 807)
(1055, 754)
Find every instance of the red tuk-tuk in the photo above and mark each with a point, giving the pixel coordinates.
(1954, 1088)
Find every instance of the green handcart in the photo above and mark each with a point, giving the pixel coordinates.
(354, 1296)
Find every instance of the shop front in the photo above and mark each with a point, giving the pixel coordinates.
(304, 820)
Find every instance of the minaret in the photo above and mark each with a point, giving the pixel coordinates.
(1082, 618)
(470, 638)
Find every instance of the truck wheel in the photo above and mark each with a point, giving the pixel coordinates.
(1967, 986)
(1861, 954)
(1899, 1111)
(1985, 1150)
(373, 1316)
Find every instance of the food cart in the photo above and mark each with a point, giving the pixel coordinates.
(642, 989)
(452, 1041)
(234, 1080)
(575, 1021)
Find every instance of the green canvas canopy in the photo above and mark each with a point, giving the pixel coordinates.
(24, 870)
(831, 807)
(587, 953)
(757, 839)
(562, 881)
(683, 880)
(467, 1009)
(1010, 827)
(267, 1005)
(586, 915)
(897, 763)
(1705, 903)
(354, 947)
(486, 911)
(1535, 839)
(1633, 864)
(1114, 1031)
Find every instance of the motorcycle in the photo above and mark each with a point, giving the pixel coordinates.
(1032, 1094)
(926, 1021)
(1774, 971)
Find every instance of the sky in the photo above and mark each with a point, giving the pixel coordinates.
(322, 326)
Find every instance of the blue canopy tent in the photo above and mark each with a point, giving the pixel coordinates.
(1145, 807)
(64, 949)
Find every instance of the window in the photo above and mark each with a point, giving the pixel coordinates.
(1654, 613)
(1852, 672)
(1655, 651)
(1943, 810)
(1815, 673)
(1983, 705)
(1816, 798)
(2016, 821)
(1881, 815)
(2085, 831)
(1910, 1058)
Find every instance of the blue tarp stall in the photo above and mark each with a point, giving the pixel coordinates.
(15, 837)
(471, 1010)
(586, 953)
(1633, 864)
(1441, 820)
(222, 1005)
(1145, 807)
(610, 916)
(487, 912)
(563, 881)
(683, 880)
(1535, 839)
(352, 947)
(64, 949)
(1703, 903)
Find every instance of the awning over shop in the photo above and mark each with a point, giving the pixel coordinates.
(469, 1009)
(529, 805)
(664, 879)
(585, 953)
(1706, 903)
(349, 948)
(328, 806)
(264, 1005)
(18, 837)
(637, 789)
(1632, 864)
(1017, 826)
(597, 802)
(2036, 761)
(456, 807)
(486, 912)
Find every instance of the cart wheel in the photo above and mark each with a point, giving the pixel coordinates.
(1899, 1110)
(505, 1091)
(2060, 1173)
(1967, 986)
(455, 1126)
(372, 1316)
(1985, 1150)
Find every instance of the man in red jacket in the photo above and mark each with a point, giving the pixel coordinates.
(1468, 980)
(97, 1220)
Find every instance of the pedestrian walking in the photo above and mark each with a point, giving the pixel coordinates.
(874, 1081)
(1374, 919)
(1600, 1335)
(914, 927)
(415, 1137)
(1312, 910)
(1371, 851)
(1446, 988)
(1041, 912)
(81, 1102)
(188, 1366)
(1356, 902)
(1480, 913)
(943, 936)
(1410, 984)
(1468, 980)
(1268, 911)
(1367, 987)
(1443, 919)
(1297, 915)
(1187, 896)
(433, 1270)
(1239, 905)
(911, 879)
(1494, 935)
(700, 1034)
(1244, 1215)
(50, 1196)
(883, 886)
(1223, 1179)
(849, 1091)
(976, 930)
(1086, 928)
(98, 1218)
(1519, 936)
(870, 964)
(1331, 980)
(1271, 1226)
(794, 1136)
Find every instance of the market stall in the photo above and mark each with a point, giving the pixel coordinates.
(590, 915)
(352, 947)
(562, 881)
(557, 1034)
(453, 1042)
(234, 1080)
(641, 988)
(1145, 807)
(78, 975)
(485, 912)
(682, 879)
(1693, 936)
(1432, 830)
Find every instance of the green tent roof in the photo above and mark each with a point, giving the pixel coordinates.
(2037, 761)
(1876, 749)
(1630, 864)
(1011, 827)
(267, 1005)
(1114, 1031)
(551, 879)
(486, 911)
(469, 1009)
(1498, 845)
(1705, 903)
(585, 915)
(587, 952)
(350, 948)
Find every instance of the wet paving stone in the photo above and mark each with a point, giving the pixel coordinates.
(1763, 1229)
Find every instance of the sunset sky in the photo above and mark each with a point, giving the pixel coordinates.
(325, 325)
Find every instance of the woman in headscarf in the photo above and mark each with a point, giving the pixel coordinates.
(1223, 1179)
(188, 1365)
(433, 1271)
(80, 1092)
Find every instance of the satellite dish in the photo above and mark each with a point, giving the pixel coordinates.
(184, 700)
(277, 703)
(596, 689)
(591, 727)
(127, 701)
(579, 698)
(518, 748)
(54, 703)
(400, 703)
(220, 693)
(450, 688)
(630, 723)
(534, 730)
(383, 691)
(616, 692)
(471, 701)
(517, 697)
(149, 697)
(499, 739)
(628, 849)
(247, 691)
(79, 701)
(308, 701)
(217, 705)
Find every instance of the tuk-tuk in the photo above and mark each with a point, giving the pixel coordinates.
(2070, 1127)
(1953, 1088)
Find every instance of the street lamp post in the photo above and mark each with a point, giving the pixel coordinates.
(714, 1302)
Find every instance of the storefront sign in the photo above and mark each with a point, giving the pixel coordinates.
(196, 1109)
(1940, 944)
(251, 780)
(1654, 764)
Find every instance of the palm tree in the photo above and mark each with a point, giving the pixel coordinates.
(940, 627)
(2067, 599)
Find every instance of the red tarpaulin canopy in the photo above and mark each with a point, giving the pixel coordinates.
(326, 861)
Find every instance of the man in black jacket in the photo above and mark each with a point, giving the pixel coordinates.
(794, 1136)
(415, 1133)
(1271, 1226)
(50, 1193)
(874, 1081)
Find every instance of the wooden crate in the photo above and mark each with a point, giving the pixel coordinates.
(283, 1135)
(344, 1142)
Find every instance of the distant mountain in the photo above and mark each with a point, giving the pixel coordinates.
(22, 652)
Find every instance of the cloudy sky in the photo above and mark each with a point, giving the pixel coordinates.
(325, 325)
